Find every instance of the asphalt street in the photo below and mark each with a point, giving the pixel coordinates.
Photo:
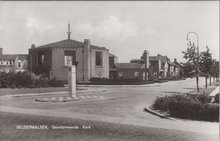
(122, 109)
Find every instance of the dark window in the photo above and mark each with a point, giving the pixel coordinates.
(111, 62)
(98, 58)
(19, 64)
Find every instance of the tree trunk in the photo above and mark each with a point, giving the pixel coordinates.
(206, 78)
(210, 79)
(197, 81)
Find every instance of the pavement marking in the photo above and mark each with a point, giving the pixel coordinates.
(65, 99)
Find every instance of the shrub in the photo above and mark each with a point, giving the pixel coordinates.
(24, 79)
(161, 103)
(13, 86)
(97, 79)
(217, 98)
(196, 107)
(195, 111)
(56, 83)
(6, 79)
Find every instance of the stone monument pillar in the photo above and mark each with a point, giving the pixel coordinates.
(72, 80)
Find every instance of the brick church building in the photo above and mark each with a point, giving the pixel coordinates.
(53, 59)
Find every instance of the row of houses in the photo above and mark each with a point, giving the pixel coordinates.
(147, 68)
(91, 61)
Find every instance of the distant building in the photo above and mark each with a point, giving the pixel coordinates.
(53, 59)
(13, 62)
(134, 70)
(112, 70)
(162, 67)
(155, 67)
(178, 68)
(131, 71)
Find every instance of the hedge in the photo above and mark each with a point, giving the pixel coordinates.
(196, 107)
(195, 111)
(26, 80)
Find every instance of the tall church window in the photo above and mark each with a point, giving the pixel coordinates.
(40, 58)
(69, 58)
(98, 58)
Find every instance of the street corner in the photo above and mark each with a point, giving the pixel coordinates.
(70, 99)
(153, 112)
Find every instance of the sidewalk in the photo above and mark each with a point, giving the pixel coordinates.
(211, 128)
(51, 93)
(216, 91)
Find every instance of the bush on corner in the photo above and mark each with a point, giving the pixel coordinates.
(196, 107)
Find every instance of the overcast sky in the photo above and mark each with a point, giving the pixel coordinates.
(125, 28)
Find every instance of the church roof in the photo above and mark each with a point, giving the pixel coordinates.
(67, 43)
(129, 66)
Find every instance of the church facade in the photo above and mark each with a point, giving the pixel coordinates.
(53, 59)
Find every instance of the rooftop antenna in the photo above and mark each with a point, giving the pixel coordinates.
(68, 33)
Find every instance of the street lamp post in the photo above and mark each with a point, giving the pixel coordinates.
(197, 56)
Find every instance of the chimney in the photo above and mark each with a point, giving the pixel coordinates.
(1, 51)
(86, 61)
(175, 60)
(146, 58)
(32, 45)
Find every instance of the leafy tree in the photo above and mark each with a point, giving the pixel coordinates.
(215, 69)
(206, 64)
(188, 69)
(192, 56)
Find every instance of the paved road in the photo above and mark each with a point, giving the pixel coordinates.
(87, 131)
(125, 107)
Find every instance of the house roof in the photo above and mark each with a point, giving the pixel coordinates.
(163, 59)
(159, 57)
(8, 57)
(178, 64)
(128, 65)
(112, 55)
(67, 43)
(154, 58)
(171, 63)
(22, 56)
(13, 56)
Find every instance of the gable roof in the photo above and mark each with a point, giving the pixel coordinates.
(178, 64)
(172, 64)
(153, 58)
(159, 57)
(129, 66)
(112, 55)
(67, 43)
(8, 57)
(163, 59)
(22, 56)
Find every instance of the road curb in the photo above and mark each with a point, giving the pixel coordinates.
(147, 109)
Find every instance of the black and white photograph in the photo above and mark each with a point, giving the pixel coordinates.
(109, 70)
